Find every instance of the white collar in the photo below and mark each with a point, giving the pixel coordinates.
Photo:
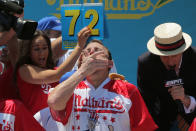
(100, 86)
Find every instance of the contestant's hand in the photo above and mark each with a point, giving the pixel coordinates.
(92, 63)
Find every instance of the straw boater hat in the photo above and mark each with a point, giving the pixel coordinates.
(169, 40)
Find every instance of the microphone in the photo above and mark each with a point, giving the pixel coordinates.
(173, 80)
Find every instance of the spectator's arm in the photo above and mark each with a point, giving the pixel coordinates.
(56, 46)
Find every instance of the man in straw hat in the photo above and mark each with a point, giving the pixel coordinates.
(166, 77)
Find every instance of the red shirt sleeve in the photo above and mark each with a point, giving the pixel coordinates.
(63, 116)
(140, 118)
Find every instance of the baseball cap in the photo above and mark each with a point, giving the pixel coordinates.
(49, 23)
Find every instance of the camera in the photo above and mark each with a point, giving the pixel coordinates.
(23, 28)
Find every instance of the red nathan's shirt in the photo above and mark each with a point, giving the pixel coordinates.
(8, 89)
(34, 96)
(15, 117)
(114, 105)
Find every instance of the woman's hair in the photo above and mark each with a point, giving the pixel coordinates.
(25, 52)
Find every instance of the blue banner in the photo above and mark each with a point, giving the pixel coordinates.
(130, 24)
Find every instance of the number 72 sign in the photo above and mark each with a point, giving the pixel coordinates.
(76, 16)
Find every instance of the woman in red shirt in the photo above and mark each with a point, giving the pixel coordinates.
(35, 72)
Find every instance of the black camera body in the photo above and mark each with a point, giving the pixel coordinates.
(23, 28)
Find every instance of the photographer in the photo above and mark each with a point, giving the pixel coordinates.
(11, 22)
(8, 38)
(14, 115)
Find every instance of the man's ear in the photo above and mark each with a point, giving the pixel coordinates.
(111, 63)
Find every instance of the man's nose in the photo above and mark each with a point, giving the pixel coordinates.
(92, 51)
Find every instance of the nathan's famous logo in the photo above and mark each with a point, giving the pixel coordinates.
(107, 106)
(117, 9)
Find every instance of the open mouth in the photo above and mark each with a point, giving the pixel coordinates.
(42, 61)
